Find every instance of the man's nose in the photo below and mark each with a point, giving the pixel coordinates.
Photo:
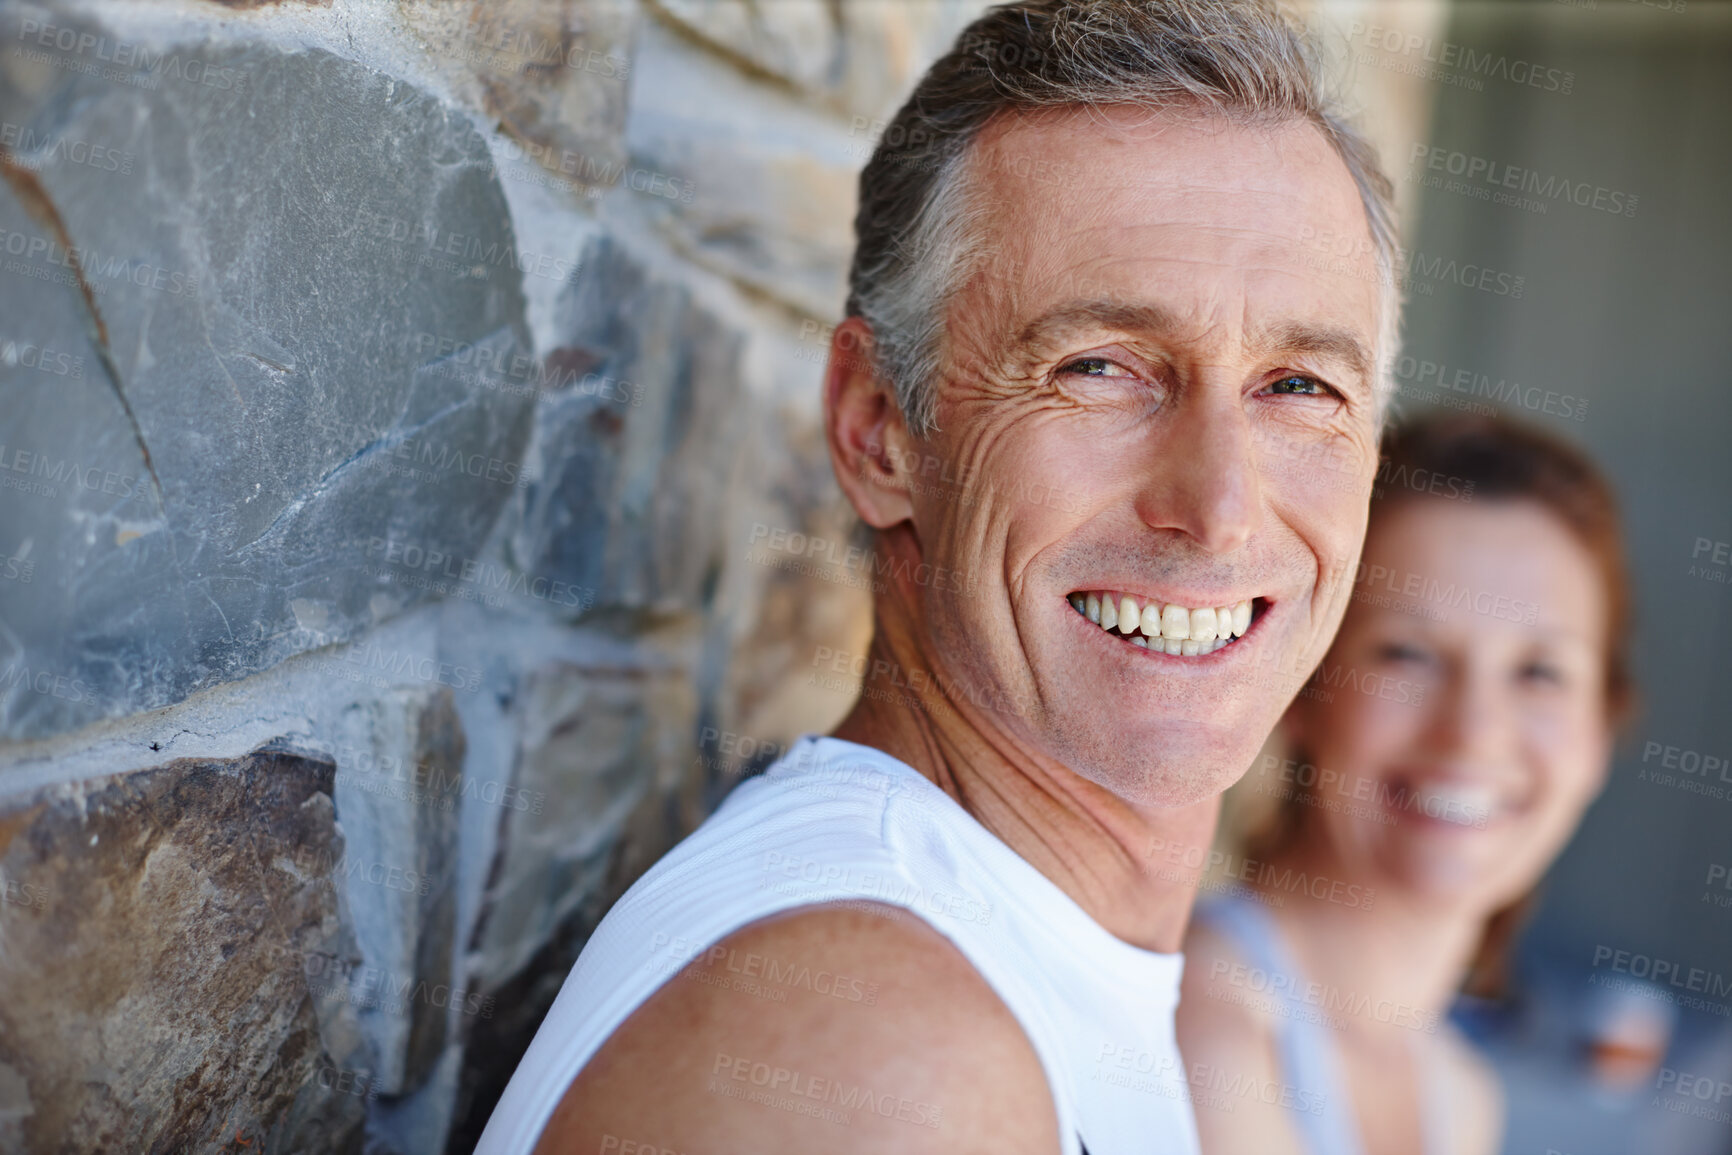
(1201, 476)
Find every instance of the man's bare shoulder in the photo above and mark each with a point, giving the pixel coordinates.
(834, 1028)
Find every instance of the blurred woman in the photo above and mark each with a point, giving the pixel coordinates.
(1439, 759)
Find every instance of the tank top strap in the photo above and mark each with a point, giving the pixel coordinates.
(1436, 1096)
(1308, 1057)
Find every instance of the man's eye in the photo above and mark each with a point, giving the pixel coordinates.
(1299, 387)
(1095, 367)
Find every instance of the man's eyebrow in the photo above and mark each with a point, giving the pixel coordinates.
(1332, 341)
(1336, 342)
(1097, 314)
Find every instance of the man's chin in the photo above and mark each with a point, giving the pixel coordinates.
(1170, 780)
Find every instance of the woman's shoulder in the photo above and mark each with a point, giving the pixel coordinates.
(1223, 991)
(1476, 1106)
(1228, 1036)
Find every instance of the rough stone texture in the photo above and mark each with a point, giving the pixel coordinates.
(615, 510)
(318, 278)
(401, 889)
(553, 72)
(152, 932)
(408, 555)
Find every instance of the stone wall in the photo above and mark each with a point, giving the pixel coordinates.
(413, 516)
(396, 404)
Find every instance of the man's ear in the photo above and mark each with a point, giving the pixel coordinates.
(870, 447)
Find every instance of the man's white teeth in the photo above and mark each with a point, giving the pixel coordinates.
(1170, 629)
(1203, 625)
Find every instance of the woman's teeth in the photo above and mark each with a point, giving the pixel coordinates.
(1171, 629)
(1461, 804)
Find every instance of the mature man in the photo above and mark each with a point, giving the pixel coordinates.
(1119, 384)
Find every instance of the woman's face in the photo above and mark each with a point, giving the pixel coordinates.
(1459, 728)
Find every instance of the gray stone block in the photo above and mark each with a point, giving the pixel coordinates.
(639, 449)
(272, 294)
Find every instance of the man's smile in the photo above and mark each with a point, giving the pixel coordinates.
(1168, 628)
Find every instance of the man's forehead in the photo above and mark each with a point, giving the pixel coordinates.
(1156, 220)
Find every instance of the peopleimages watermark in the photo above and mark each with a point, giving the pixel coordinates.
(25, 894)
(537, 165)
(422, 460)
(429, 564)
(1193, 857)
(907, 146)
(1374, 581)
(793, 874)
(612, 1142)
(1413, 270)
(376, 665)
(1320, 683)
(1690, 1094)
(1414, 479)
(1482, 178)
(36, 473)
(760, 975)
(423, 781)
(1452, 63)
(517, 374)
(1715, 568)
(1718, 877)
(1416, 374)
(861, 562)
(714, 743)
(34, 150)
(1328, 1001)
(504, 47)
(63, 265)
(1684, 769)
(1659, 974)
(331, 978)
(42, 358)
(323, 864)
(361, 1084)
(17, 568)
(462, 255)
(130, 63)
(48, 683)
(831, 1100)
(1297, 780)
(926, 690)
(1135, 1068)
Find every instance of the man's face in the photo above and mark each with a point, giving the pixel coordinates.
(1154, 390)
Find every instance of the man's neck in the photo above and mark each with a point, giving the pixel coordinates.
(1116, 860)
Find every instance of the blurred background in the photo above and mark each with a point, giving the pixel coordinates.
(414, 517)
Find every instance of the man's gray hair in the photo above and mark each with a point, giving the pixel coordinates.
(916, 240)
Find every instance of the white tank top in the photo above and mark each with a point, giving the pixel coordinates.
(833, 821)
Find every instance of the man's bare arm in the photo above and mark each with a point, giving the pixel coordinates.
(742, 1053)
